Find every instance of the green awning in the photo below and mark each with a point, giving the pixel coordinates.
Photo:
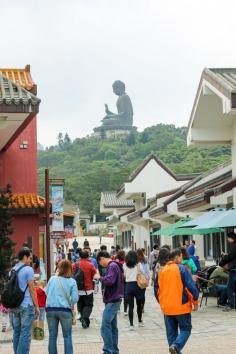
(168, 230)
(175, 229)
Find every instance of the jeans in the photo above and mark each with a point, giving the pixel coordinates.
(173, 323)
(22, 320)
(65, 319)
(85, 307)
(41, 316)
(109, 330)
(231, 288)
(221, 291)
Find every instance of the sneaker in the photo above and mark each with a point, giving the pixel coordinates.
(222, 306)
(4, 328)
(141, 324)
(227, 308)
(84, 323)
(173, 349)
(131, 328)
(126, 313)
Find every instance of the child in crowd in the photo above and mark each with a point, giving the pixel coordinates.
(4, 317)
(41, 295)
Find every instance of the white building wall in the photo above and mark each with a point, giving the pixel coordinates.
(151, 180)
(141, 236)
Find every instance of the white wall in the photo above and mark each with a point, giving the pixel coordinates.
(151, 180)
(141, 234)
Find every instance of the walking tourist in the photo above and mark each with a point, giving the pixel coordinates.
(228, 261)
(144, 268)
(62, 294)
(23, 315)
(120, 257)
(192, 255)
(91, 258)
(132, 290)
(85, 303)
(163, 258)
(113, 283)
(86, 243)
(102, 270)
(187, 261)
(153, 255)
(41, 295)
(177, 295)
(75, 244)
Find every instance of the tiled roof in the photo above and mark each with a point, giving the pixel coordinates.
(21, 77)
(225, 76)
(10, 93)
(27, 201)
(109, 200)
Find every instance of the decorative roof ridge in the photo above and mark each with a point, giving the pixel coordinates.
(25, 97)
(21, 77)
(27, 200)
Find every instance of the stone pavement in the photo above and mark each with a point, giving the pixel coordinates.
(214, 332)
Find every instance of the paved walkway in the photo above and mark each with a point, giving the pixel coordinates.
(214, 332)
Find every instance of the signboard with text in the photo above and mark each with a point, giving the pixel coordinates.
(57, 208)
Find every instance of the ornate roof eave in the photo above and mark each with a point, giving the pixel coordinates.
(13, 94)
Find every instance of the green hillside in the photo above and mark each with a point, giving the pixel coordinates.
(90, 165)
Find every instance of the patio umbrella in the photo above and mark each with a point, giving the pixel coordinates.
(226, 218)
(176, 229)
(168, 230)
(203, 220)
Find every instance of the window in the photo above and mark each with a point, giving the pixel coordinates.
(214, 245)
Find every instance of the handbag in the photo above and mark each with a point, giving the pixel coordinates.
(38, 330)
(69, 302)
(142, 280)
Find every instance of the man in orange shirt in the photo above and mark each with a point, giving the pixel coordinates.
(178, 296)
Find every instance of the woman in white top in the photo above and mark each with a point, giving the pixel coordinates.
(131, 287)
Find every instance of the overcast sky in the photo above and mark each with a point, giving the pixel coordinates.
(77, 48)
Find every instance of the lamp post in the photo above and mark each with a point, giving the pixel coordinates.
(47, 214)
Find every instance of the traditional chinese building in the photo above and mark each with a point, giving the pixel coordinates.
(19, 106)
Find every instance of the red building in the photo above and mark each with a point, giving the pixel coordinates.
(19, 106)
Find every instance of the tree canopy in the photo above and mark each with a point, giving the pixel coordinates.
(91, 165)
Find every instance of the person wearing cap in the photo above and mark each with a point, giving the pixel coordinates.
(228, 262)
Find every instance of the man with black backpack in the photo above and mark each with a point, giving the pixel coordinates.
(20, 296)
(83, 274)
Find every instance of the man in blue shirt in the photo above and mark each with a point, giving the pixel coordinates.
(23, 316)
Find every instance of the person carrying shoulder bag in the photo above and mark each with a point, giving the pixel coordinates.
(62, 295)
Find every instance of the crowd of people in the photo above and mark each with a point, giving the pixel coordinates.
(120, 276)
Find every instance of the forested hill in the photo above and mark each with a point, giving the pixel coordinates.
(90, 165)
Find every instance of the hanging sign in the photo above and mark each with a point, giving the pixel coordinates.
(57, 208)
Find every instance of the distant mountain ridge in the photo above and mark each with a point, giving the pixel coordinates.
(90, 165)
